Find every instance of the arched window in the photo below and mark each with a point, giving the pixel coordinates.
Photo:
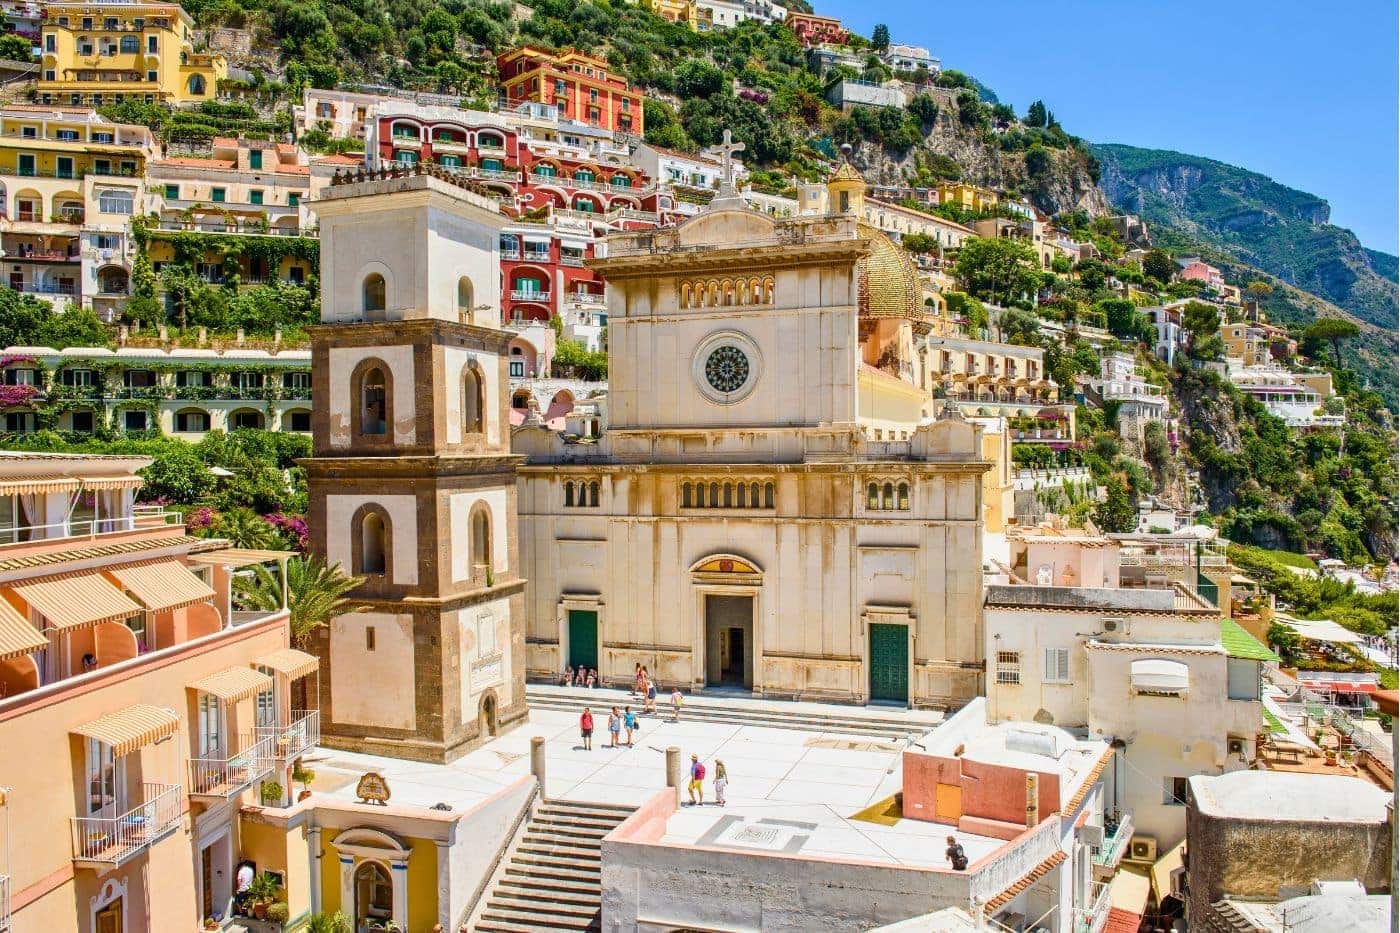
(481, 540)
(473, 401)
(742, 493)
(902, 496)
(374, 403)
(887, 499)
(714, 495)
(196, 85)
(593, 493)
(872, 496)
(373, 544)
(768, 495)
(374, 894)
(464, 297)
(373, 292)
(568, 495)
(728, 495)
(753, 495)
(685, 495)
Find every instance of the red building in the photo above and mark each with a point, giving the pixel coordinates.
(581, 86)
(816, 30)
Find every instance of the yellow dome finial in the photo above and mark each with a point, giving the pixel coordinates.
(846, 188)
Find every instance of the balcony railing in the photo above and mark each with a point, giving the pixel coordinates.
(111, 840)
(1108, 856)
(289, 741)
(1093, 917)
(585, 300)
(519, 294)
(226, 777)
(142, 516)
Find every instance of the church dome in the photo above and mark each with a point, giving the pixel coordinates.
(889, 281)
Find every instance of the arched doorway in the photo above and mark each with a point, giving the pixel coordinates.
(728, 588)
(487, 716)
(374, 895)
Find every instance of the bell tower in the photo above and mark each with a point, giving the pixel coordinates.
(411, 479)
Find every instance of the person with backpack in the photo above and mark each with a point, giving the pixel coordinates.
(585, 729)
(629, 722)
(956, 855)
(676, 704)
(614, 727)
(697, 781)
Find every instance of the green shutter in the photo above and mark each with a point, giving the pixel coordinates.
(889, 662)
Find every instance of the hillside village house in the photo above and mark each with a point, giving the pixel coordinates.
(1152, 668)
(812, 30)
(910, 58)
(1119, 382)
(746, 480)
(183, 392)
(250, 186)
(581, 86)
(1193, 269)
(140, 705)
(106, 53)
(70, 182)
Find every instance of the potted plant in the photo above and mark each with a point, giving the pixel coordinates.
(271, 794)
(278, 912)
(210, 923)
(262, 892)
(303, 776)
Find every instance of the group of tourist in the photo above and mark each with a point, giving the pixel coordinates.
(697, 781)
(583, 677)
(619, 720)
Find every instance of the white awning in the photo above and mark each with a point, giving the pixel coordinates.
(573, 244)
(535, 238)
(1323, 630)
(1160, 675)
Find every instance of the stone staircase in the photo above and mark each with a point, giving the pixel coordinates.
(553, 880)
(870, 721)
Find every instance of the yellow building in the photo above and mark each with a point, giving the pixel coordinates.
(70, 182)
(968, 197)
(677, 11)
(101, 53)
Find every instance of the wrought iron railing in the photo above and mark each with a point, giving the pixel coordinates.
(223, 777)
(300, 735)
(114, 839)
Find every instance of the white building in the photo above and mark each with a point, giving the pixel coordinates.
(1294, 397)
(1119, 382)
(910, 58)
(1153, 669)
(690, 170)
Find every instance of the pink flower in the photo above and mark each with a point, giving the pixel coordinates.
(14, 396)
(200, 519)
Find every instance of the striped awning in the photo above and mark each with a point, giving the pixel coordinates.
(233, 684)
(239, 557)
(76, 600)
(37, 484)
(112, 482)
(132, 728)
(17, 636)
(163, 585)
(289, 662)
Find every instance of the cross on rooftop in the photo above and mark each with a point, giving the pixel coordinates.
(727, 150)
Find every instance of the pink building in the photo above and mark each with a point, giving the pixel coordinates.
(1198, 270)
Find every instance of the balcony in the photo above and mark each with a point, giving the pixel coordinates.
(106, 841)
(1094, 916)
(585, 300)
(289, 741)
(521, 294)
(222, 778)
(568, 260)
(1115, 845)
(494, 174)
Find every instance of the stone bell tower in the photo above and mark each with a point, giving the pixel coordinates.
(411, 479)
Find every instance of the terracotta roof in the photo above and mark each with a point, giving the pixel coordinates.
(1030, 878)
(1122, 921)
(225, 141)
(189, 162)
(100, 550)
(1147, 648)
(340, 159)
(1073, 803)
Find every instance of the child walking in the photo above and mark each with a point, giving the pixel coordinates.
(614, 727)
(585, 729)
(629, 722)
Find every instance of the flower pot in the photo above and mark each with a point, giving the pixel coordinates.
(303, 795)
(260, 911)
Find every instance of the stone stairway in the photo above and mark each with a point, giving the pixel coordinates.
(885, 723)
(553, 880)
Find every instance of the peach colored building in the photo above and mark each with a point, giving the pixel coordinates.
(138, 703)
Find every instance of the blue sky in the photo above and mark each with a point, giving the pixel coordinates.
(1302, 92)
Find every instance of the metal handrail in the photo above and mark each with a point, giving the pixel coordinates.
(289, 741)
(227, 776)
(90, 527)
(1111, 851)
(113, 839)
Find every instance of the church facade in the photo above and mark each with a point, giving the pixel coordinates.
(774, 504)
(412, 481)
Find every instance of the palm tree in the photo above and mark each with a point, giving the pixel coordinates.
(246, 529)
(315, 594)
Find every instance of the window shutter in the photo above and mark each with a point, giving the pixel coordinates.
(1057, 664)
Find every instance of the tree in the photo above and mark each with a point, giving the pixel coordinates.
(880, 38)
(1036, 115)
(1116, 512)
(16, 48)
(176, 473)
(1018, 327)
(699, 78)
(919, 243)
(1124, 320)
(1201, 320)
(1158, 265)
(315, 594)
(1258, 290)
(1331, 330)
(996, 269)
(963, 307)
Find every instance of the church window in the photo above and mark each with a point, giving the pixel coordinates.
(887, 497)
(685, 495)
(872, 496)
(753, 494)
(373, 403)
(374, 292)
(593, 493)
(740, 496)
(481, 541)
(902, 496)
(373, 544)
(714, 495)
(768, 495)
(727, 369)
(568, 495)
(473, 400)
(1009, 667)
(464, 297)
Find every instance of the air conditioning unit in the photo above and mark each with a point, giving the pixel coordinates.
(1115, 626)
(1142, 849)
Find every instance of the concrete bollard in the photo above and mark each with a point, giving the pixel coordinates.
(674, 772)
(537, 762)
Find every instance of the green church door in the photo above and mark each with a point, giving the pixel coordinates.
(583, 638)
(889, 662)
